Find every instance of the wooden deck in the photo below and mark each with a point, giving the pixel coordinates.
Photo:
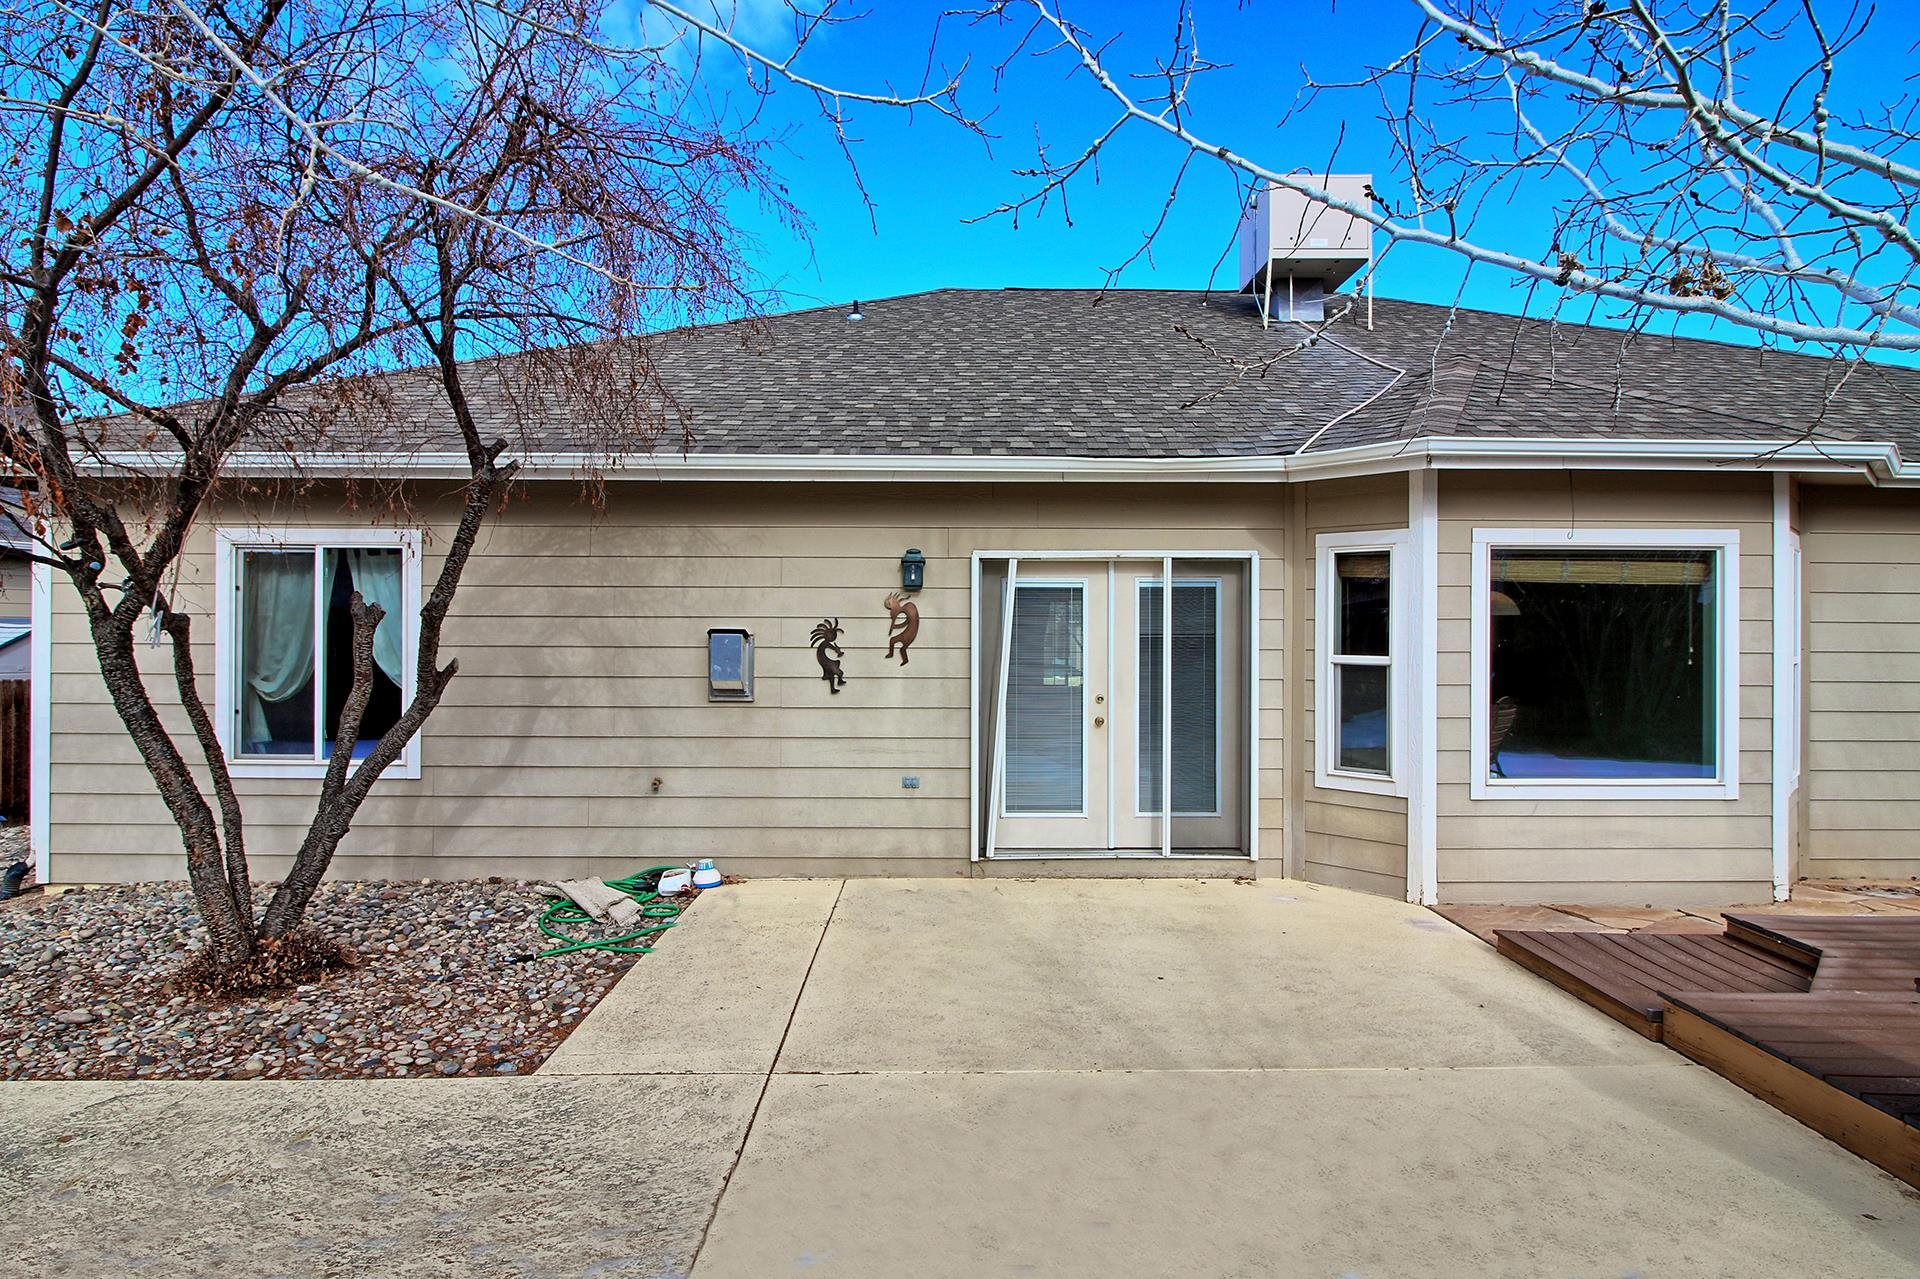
(1846, 1065)
(1852, 952)
(1626, 974)
(1817, 1014)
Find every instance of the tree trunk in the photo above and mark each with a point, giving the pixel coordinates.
(230, 932)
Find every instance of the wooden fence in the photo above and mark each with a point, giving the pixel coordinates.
(16, 748)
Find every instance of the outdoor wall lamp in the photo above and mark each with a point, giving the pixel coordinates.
(913, 570)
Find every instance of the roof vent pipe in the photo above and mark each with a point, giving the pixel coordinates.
(1295, 251)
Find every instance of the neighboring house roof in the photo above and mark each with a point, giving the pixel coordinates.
(13, 522)
(1150, 374)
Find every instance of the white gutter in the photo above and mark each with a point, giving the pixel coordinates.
(1879, 463)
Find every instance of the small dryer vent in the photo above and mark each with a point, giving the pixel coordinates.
(1294, 251)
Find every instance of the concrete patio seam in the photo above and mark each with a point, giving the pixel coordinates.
(1681, 1064)
(773, 1068)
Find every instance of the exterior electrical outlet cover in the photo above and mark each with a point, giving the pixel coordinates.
(729, 665)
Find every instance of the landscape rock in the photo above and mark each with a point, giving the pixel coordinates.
(89, 996)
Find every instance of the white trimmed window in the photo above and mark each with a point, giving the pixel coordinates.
(1606, 664)
(283, 644)
(1360, 637)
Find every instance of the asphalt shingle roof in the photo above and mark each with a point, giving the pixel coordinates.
(1156, 373)
(1160, 373)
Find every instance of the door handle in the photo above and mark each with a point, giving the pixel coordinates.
(1099, 721)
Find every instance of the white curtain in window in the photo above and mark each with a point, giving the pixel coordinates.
(376, 575)
(278, 634)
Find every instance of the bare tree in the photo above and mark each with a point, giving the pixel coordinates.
(230, 223)
(1686, 157)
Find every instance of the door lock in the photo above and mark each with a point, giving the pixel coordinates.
(1099, 721)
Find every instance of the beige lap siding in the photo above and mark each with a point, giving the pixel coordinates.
(581, 638)
(1605, 851)
(1861, 771)
(1350, 839)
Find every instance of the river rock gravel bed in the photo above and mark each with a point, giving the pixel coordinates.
(83, 977)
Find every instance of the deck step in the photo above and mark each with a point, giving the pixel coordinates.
(1851, 952)
(1625, 975)
(1845, 1065)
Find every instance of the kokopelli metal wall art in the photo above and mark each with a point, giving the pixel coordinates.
(903, 620)
(826, 640)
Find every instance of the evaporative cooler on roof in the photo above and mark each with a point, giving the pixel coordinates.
(1294, 251)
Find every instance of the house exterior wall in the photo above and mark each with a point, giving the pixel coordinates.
(1350, 839)
(1861, 769)
(1604, 851)
(581, 639)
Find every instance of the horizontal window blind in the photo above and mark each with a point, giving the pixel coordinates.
(1654, 568)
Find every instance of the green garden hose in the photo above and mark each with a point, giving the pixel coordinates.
(561, 913)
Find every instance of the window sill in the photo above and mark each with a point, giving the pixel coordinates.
(1682, 789)
(1358, 782)
(402, 769)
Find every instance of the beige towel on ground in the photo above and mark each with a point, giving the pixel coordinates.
(606, 904)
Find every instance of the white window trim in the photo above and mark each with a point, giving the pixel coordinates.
(228, 543)
(1327, 775)
(1726, 782)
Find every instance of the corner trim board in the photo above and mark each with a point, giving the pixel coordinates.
(1423, 793)
(1784, 742)
(40, 712)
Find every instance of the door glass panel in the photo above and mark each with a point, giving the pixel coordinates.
(1361, 694)
(1046, 691)
(1196, 698)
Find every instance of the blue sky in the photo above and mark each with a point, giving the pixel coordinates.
(930, 181)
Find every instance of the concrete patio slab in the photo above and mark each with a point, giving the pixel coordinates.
(522, 1177)
(726, 977)
(1601, 1171)
(1202, 975)
(1022, 1078)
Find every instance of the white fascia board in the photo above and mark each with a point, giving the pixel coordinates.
(1879, 463)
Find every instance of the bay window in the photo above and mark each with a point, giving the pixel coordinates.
(285, 644)
(1605, 663)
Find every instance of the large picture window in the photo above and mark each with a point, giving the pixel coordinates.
(1605, 662)
(1358, 728)
(286, 643)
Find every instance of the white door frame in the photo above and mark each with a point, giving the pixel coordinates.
(1169, 566)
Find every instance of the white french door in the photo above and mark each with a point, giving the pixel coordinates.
(1054, 767)
(1076, 766)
